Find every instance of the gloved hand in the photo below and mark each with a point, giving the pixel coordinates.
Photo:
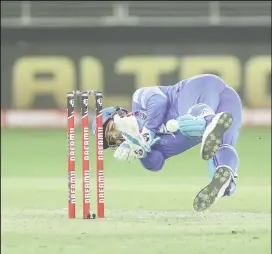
(146, 139)
(191, 126)
(128, 151)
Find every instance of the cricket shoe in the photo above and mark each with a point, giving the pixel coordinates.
(212, 136)
(219, 186)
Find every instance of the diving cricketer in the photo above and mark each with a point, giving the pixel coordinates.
(208, 112)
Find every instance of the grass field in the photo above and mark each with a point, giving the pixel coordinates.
(146, 212)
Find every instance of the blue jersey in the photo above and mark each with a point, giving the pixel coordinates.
(154, 106)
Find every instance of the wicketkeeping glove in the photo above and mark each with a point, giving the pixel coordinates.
(146, 139)
(191, 126)
(128, 151)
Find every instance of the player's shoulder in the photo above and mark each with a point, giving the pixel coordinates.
(141, 90)
(146, 91)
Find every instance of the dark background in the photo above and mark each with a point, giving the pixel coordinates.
(108, 45)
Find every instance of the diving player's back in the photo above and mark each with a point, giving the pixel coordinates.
(153, 107)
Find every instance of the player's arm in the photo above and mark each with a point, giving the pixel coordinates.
(154, 160)
(154, 102)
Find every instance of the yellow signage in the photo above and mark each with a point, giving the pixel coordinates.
(61, 74)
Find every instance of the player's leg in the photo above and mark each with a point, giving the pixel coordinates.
(202, 89)
(223, 172)
(199, 98)
(230, 103)
(224, 165)
(215, 128)
(198, 101)
(216, 113)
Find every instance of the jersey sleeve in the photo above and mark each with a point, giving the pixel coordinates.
(154, 102)
(154, 160)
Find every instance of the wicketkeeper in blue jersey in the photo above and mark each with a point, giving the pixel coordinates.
(208, 112)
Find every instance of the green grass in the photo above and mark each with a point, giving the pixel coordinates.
(146, 212)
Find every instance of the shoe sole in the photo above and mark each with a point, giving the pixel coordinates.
(213, 191)
(212, 136)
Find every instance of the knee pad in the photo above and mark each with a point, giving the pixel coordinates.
(201, 109)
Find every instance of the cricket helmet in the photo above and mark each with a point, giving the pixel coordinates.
(107, 114)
